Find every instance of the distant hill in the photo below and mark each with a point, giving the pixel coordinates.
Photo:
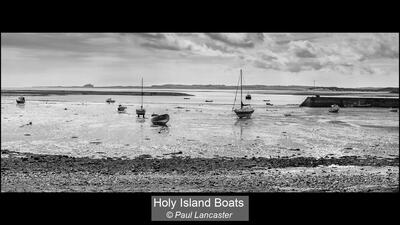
(88, 86)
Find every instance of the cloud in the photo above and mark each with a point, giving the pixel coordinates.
(187, 45)
(162, 46)
(344, 53)
(235, 40)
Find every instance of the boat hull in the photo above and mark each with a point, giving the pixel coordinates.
(121, 109)
(244, 113)
(140, 112)
(160, 119)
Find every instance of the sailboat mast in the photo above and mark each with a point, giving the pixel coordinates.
(142, 93)
(241, 87)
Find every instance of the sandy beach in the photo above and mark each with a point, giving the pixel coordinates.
(79, 143)
(21, 172)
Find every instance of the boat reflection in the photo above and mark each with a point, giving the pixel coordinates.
(162, 129)
(21, 106)
(243, 123)
(140, 119)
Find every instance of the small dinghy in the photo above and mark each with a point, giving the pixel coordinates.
(334, 109)
(209, 100)
(266, 100)
(109, 100)
(268, 104)
(121, 108)
(159, 119)
(248, 97)
(20, 100)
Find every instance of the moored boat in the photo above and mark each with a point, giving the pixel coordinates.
(160, 119)
(20, 100)
(121, 108)
(334, 109)
(141, 111)
(248, 97)
(245, 110)
(110, 100)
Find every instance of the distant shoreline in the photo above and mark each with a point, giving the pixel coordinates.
(8, 92)
(247, 87)
(81, 92)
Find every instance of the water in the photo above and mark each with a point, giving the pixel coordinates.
(90, 127)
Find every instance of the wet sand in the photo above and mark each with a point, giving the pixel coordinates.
(22, 172)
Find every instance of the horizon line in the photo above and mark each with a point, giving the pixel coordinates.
(169, 84)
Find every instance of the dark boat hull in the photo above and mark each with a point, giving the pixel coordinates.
(160, 119)
(20, 100)
(122, 109)
(243, 113)
(140, 112)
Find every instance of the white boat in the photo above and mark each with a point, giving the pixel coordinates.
(141, 111)
(245, 110)
(334, 109)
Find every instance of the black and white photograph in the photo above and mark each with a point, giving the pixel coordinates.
(200, 112)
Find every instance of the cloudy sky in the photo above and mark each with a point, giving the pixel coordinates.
(343, 59)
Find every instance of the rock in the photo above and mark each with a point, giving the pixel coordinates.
(27, 134)
(74, 137)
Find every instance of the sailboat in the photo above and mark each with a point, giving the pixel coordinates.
(245, 110)
(141, 111)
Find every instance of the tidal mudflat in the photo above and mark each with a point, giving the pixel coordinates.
(80, 143)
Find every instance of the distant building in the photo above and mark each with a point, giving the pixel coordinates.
(88, 86)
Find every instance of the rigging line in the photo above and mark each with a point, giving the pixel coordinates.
(237, 88)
